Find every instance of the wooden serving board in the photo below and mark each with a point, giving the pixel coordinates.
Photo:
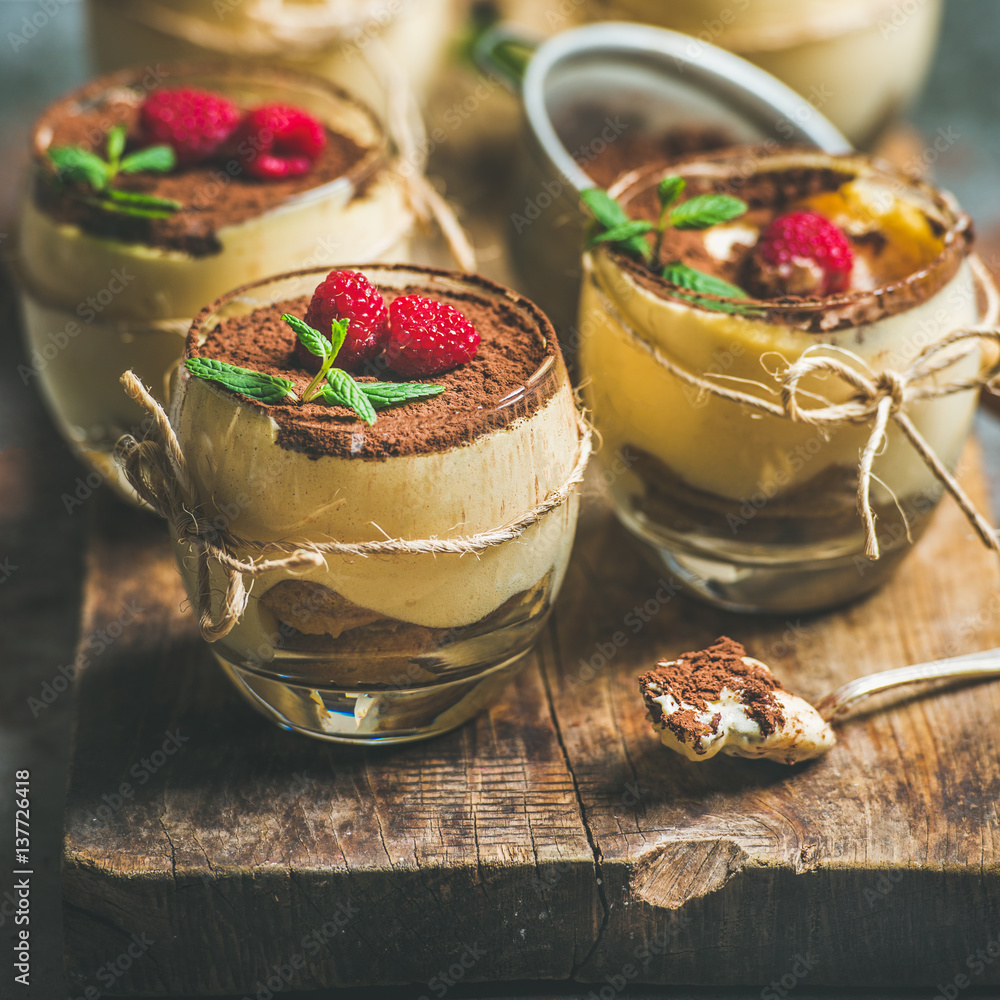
(552, 838)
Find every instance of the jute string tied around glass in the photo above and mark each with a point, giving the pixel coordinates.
(157, 471)
(876, 397)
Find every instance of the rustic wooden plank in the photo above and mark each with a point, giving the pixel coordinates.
(879, 862)
(249, 849)
(876, 864)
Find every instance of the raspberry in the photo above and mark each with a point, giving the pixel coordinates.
(194, 122)
(277, 140)
(348, 295)
(427, 337)
(803, 253)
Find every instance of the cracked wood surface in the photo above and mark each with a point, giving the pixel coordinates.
(553, 834)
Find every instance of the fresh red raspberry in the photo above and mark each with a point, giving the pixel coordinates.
(803, 253)
(277, 140)
(194, 122)
(427, 337)
(348, 295)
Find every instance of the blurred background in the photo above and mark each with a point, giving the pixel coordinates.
(914, 82)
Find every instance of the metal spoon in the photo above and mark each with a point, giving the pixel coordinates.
(838, 702)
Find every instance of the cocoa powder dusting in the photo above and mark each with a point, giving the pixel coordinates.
(694, 679)
(515, 342)
(215, 194)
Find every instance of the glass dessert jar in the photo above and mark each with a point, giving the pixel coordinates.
(754, 509)
(415, 637)
(354, 43)
(859, 62)
(103, 292)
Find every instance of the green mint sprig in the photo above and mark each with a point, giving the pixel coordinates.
(613, 226)
(324, 349)
(82, 167)
(256, 385)
(700, 212)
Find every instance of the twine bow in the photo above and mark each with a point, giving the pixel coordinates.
(157, 471)
(877, 397)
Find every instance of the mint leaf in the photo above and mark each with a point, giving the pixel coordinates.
(669, 190)
(159, 159)
(79, 166)
(116, 144)
(140, 200)
(342, 390)
(338, 334)
(256, 385)
(697, 281)
(622, 233)
(604, 208)
(313, 341)
(384, 394)
(706, 210)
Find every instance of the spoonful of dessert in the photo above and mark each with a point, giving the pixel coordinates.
(718, 699)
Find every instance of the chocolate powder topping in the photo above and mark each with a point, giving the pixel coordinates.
(516, 340)
(215, 194)
(769, 194)
(696, 678)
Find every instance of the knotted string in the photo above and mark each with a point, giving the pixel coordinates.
(157, 471)
(876, 397)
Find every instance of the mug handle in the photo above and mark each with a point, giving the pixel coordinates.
(505, 51)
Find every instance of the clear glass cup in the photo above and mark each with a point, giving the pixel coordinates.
(94, 307)
(391, 647)
(756, 512)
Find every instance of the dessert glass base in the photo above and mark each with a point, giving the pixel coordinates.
(766, 579)
(468, 678)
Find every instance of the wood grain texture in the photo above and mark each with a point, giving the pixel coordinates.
(553, 837)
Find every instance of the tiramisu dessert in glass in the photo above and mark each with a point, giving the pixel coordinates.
(156, 190)
(708, 282)
(354, 43)
(443, 413)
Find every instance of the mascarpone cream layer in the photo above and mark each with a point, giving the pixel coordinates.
(64, 265)
(730, 729)
(721, 447)
(268, 493)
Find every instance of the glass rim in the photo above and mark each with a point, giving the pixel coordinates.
(550, 367)
(374, 158)
(956, 237)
